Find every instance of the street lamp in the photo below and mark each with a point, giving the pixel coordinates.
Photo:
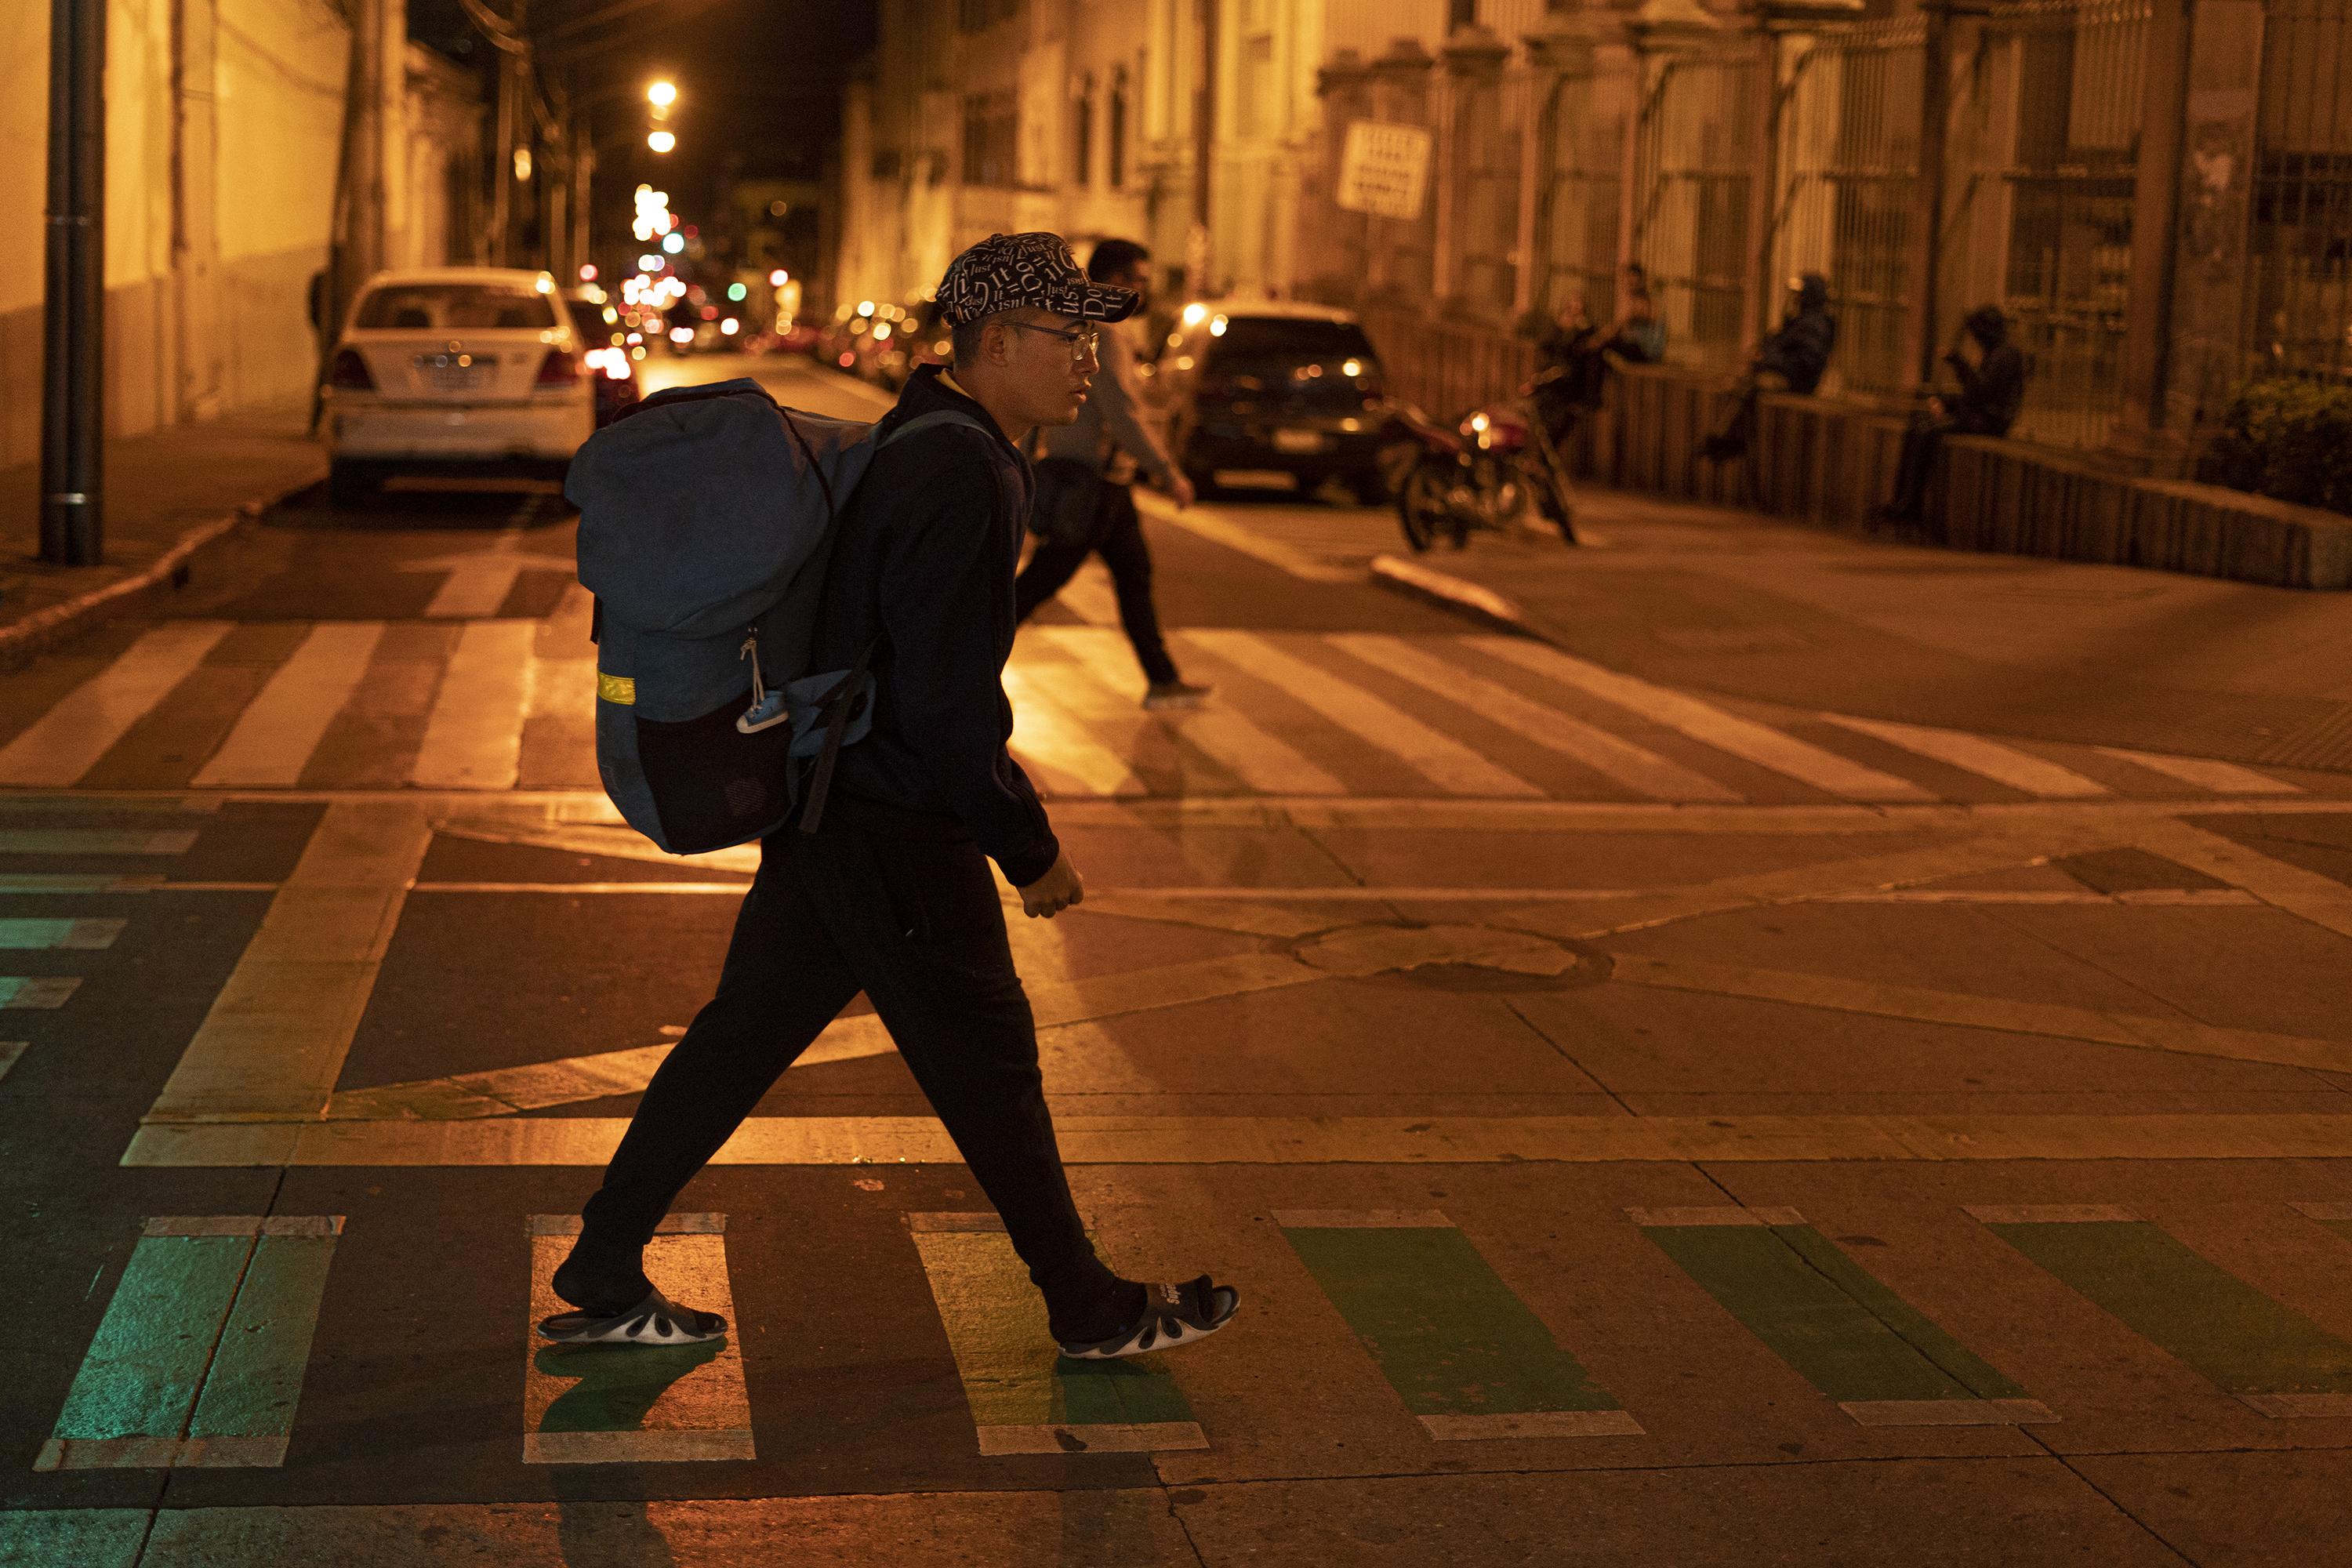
(662, 94)
(660, 140)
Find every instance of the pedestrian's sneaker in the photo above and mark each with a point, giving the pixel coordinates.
(1175, 694)
(1172, 1315)
(656, 1320)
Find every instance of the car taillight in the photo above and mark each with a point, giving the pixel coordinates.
(350, 372)
(559, 368)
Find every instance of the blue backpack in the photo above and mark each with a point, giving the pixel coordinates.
(707, 518)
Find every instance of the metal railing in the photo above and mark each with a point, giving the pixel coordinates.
(1490, 118)
(1848, 165)
(1694, 177)
(1578, 227)
(2299, 292)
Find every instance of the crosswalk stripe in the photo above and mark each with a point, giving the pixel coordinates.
(1976, 755)
(587, 1405)
(1258, 759)
(10, 1050)
(1643, 771)
(67, 740)
(1838, 1327)
(2270, 1356)
(1043, 728)
(1461, 1350)
(1024, 1397)
(1443, 761)
(54, 935)
(2205, 772)
(1709, 724)
(283, 724)
(200, 1358)
(473, 738)
(42, 992)
(96, 841)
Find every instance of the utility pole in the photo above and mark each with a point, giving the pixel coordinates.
(73, 391)
(1204, 152)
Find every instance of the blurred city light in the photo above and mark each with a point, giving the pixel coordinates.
(681, 334)
(736, 292)
(779, 278)
(673, 243)
(522, 163)
(649, 263)
(731, 326)
(587, 272)
(1196, 313)
(660, 140)
(662, 93)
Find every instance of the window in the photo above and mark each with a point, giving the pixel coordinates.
(443, 307)
(1115, 133)
(991, 123)
(1082, 129)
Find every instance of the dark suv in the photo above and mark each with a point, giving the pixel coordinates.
(1271, 385)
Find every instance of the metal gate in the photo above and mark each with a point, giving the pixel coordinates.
(2299, 296)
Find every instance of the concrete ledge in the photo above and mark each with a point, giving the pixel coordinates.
(28, 639)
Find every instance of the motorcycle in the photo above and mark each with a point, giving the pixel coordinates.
(1483, 475)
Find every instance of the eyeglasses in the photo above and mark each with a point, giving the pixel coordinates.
(1083, 341)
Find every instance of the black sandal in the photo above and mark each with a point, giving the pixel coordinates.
(656, 1320)
(1172, 1315)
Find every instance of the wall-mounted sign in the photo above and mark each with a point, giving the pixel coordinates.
(1384, 169)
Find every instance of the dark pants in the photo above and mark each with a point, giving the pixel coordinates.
(1119, 540)
(1737, 431)
(902, 907)
(1923, 440)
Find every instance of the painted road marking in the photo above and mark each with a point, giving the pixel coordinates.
(200, 1357)
(1096, 1140)
(1247, 538)
(67, 740)
(282, 727)
(1836, 1326)
(2221, 778)
(1444, 761)
(1257, 758)
(2323, 900)
(473, 737)
(41, 993)
(1047, 732)
(1960, 1009)
(1643, 771)
(1464, 1353)
(478, 581)
(1710, 725)
(68, 882)
(84, 935)
(96, 841)
(2019, 770)
(2270, 1357)
(274, 1041)
(1025, 1397)
(590, 1405)
(10, 1050)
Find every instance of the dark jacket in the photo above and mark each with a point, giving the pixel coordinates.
(1991, 391)
(1799, 352)
(924, 562)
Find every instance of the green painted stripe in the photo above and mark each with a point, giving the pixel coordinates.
(94, 841)
(1450, 1337)
(2240, 1340)
(39, 992)
(68, 883)
(1012, 1374)
(13, 805)
(146, 1365)
(72, 1537)
(255, 1379)
(9, 1051)
(29, 935)
(1840, 1329)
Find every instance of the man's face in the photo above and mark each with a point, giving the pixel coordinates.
(1047, 375)
(1137, 277)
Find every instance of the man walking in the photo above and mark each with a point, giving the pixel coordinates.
(892, 895)
(1109, 439)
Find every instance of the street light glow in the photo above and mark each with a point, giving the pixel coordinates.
(662, 93)
(673, 243)
(661, 140)
(779, 278)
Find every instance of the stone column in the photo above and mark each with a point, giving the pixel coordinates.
(2220, 145)
(1399, 249)
(1335, 238)
(1474, 60)
(2140, 432)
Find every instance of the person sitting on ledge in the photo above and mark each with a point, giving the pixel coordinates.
(1985, 405)
(1792, 359)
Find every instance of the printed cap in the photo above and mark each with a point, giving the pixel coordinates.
(1007, 272)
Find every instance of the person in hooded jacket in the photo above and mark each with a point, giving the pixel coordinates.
(1792, 359)
(1991, 391)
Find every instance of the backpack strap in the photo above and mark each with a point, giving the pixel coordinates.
(926, 421)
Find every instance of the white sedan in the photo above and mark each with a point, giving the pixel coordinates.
(455, 368)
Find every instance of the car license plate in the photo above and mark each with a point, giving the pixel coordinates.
(455, 378)
(1298, 440)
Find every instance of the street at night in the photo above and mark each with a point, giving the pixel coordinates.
(1702, 1019)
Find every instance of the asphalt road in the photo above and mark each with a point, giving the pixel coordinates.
(1646, 1127)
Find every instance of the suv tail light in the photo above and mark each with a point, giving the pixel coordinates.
(350, 371)
(559, 368)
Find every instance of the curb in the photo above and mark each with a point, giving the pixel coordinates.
(38, 633)
(1448, 591)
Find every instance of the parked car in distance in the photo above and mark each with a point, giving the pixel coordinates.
(464, 369)
(612, 369)
(1274, 385)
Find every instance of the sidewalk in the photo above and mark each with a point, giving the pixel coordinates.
(169, 493)
(1745, 606)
